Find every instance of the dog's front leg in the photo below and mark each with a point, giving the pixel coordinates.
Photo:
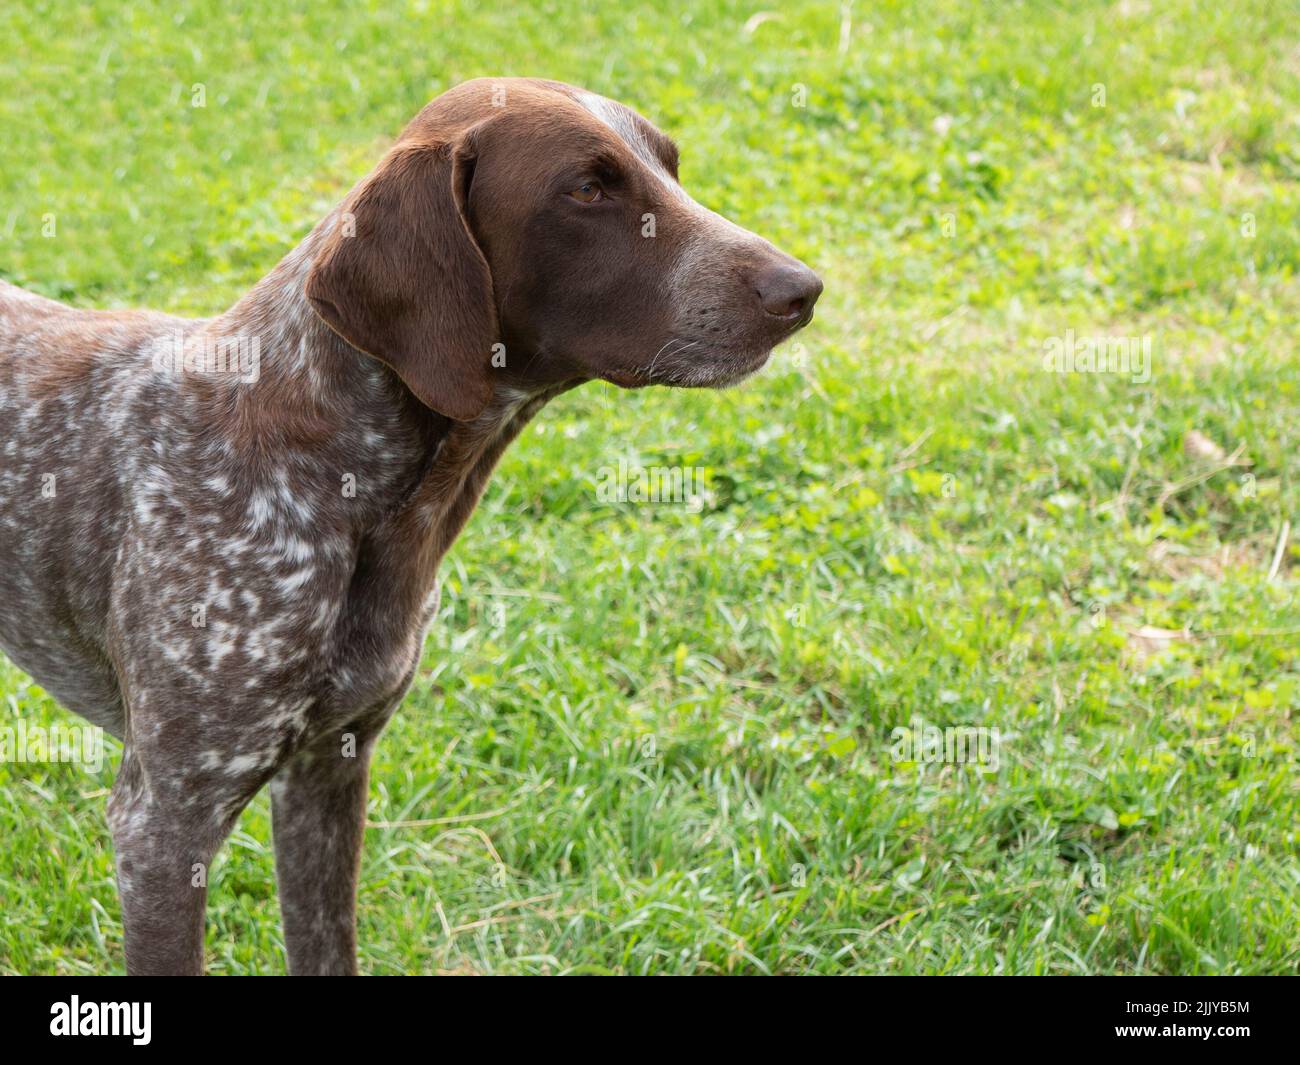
(318, 810)
(164, 847)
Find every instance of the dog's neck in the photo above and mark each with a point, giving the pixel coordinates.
(301, 360)
(314, 392)
(303, 363)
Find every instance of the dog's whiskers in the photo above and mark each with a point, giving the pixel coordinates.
(688, 344)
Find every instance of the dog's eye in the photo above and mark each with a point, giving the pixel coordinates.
(589, 192)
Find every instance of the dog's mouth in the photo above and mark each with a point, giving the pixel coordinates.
(732, 370)
(624, 378)
(692, 368)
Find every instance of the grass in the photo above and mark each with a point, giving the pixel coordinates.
(652, 740)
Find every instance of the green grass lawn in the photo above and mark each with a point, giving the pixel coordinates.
(659, 739)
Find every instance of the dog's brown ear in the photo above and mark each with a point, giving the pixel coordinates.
(403, 279)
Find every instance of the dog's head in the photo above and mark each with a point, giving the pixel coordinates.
(525, 230)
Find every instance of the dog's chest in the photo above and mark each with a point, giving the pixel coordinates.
(391, 595)
(378, 638)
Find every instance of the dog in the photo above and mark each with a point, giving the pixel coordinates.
(219, 538)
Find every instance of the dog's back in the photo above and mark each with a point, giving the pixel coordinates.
(67, 381)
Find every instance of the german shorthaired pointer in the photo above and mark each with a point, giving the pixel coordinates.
(219, 539)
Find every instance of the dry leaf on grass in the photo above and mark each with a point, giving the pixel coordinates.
(1149, 639)
(1196, 445)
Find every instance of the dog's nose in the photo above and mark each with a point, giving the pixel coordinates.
(787, 289)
